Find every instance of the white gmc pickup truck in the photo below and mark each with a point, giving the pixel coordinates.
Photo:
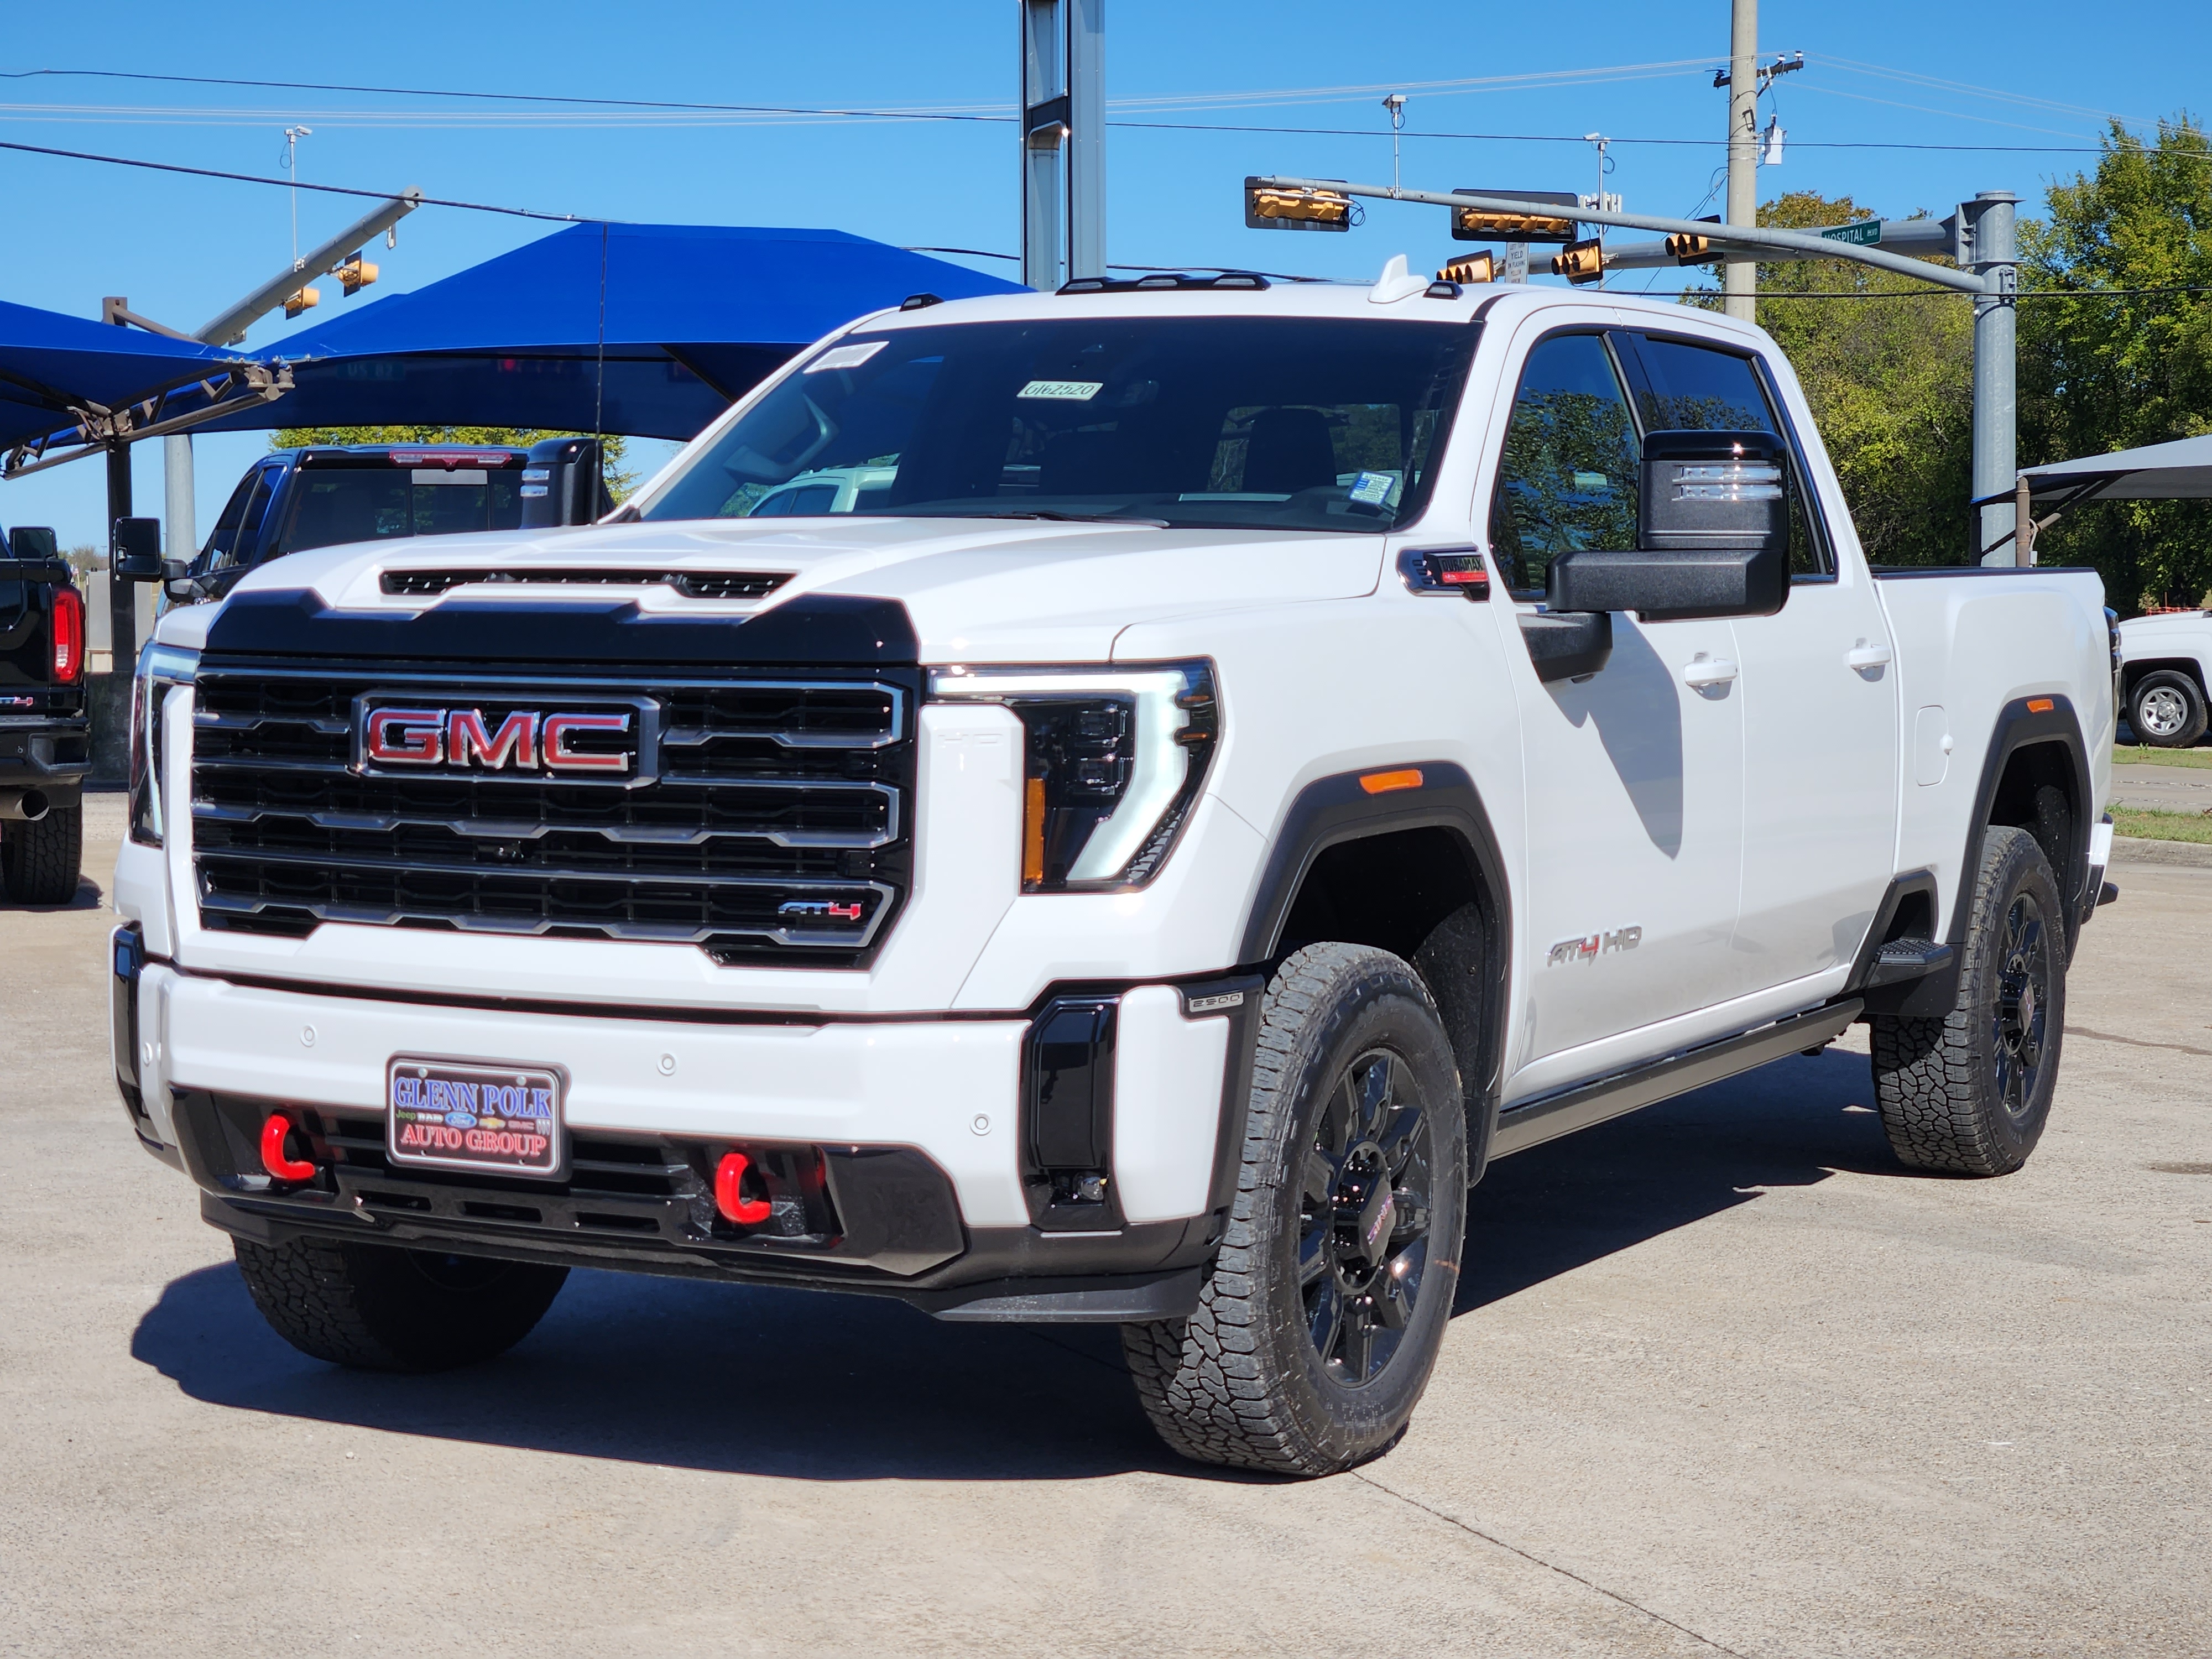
(1194, 770)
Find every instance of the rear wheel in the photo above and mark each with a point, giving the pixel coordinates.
(1969, 1093)
(379, 1307)
(1315, 1334)
(39, 862)
(2166, 710)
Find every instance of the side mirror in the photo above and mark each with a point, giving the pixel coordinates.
(563, 483)
(138, 550)
(1715, 512)
(32, 543)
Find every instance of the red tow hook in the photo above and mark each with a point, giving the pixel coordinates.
(730, 1199)
(272, 1151)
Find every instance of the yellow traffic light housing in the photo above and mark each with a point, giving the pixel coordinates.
(1580, 262)
(1687, 248)
(355, 275)
(1268, 208)
(1470, 269)
(306, 299)
(1532, 225)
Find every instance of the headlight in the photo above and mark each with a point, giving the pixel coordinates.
(160, 667)
(1116, 757)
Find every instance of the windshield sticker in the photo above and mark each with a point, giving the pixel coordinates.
(845, 356)
(1065, 391)
(1372, 488)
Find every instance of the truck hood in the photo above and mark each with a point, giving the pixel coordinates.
(976, 591)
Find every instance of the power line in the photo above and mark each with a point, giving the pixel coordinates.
(972, 115)
(286, 184)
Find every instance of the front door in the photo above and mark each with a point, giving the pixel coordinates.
(1635, 776)
(1818, 691)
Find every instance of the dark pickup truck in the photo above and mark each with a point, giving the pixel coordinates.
(46, 742)
(292, 500)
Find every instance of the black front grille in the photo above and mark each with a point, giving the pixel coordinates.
(777, 829)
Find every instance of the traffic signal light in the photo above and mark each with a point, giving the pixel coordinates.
(1481, 225)
(1469, 268)
(355, 275)
(306, 299)
(1267, 208)
(1580, 262)
(1689, 249)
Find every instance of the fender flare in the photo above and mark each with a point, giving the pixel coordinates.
(1334, 809)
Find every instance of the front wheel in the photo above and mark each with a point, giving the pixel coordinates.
(1969, 1093)
(2166, 710)
(379, 1308)
(1327, 1305)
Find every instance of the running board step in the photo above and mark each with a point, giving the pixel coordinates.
(1548, 1119)
(1906, 958)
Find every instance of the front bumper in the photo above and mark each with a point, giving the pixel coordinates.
(926, 1128)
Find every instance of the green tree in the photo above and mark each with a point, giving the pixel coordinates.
(2100, 372)
(619, 481)
(1890, 381)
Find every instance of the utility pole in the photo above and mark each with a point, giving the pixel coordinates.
(1987, 246)
(1063, 137)
(1740, 277)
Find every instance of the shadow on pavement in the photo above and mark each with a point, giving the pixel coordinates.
(741, 1379)
(1559, 1206)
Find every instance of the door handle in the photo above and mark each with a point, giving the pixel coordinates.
(1704, 670)
(1863, 656)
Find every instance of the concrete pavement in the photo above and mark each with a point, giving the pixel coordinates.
(1724, 1378)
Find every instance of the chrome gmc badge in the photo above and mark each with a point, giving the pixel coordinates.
(574, 738)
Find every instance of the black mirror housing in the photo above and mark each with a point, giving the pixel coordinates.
(32, 543)
(1714, 517)
(138, 556)
(564, 482)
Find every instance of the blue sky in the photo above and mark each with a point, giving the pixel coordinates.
(1883, 72)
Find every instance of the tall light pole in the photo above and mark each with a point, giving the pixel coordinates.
(1740, 277)
(1063, 137)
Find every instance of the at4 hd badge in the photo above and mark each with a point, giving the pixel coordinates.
(1590, 947)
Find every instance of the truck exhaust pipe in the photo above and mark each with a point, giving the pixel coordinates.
(22, 805)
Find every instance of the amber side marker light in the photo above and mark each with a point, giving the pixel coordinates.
(2041, 705)
(1033, 831)
(1381, 783)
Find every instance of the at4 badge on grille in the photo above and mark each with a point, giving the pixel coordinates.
(455, 1115)
(572, 737)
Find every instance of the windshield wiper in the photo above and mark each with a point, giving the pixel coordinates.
(1056, 516)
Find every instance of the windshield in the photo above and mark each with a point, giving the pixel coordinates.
(1277, 424)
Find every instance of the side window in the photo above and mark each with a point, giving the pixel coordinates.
(215, 555)
(1568, 477)
(1682, 388)
(240, 549)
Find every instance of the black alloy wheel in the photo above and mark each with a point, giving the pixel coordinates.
(2022, 1004)
(1364, 1242)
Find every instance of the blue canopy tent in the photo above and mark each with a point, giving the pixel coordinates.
(64, 379)
(645, 329)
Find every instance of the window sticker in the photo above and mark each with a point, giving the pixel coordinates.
(1372, 488)
(1064, 391)
(845, 356)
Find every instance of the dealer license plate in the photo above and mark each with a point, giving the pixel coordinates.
(452, 1114)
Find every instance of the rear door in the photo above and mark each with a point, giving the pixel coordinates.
(1635, 776)
(1817, 690)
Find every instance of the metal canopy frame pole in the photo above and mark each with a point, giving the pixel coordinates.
(1063, 139)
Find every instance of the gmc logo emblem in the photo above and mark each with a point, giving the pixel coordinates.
(613, 741)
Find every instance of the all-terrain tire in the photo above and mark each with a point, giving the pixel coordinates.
(1312, 1343)
(2166, 710)
(39, 862)
(1969, 1093)
(379, 1308)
